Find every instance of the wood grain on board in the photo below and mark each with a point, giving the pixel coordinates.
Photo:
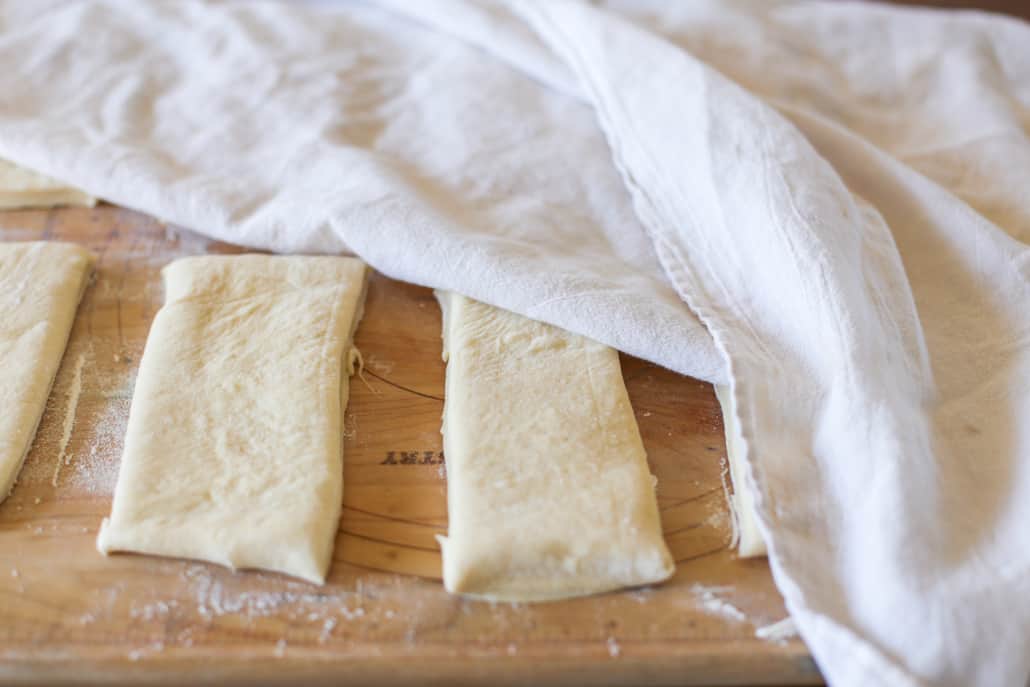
(69, 613)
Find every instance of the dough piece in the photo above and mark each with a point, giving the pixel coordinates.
(234, 450)
(749, 539)
(41, 284)
(23, 188)
(548, 491)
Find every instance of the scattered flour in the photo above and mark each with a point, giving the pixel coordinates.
(159, 609)
(327, 630)
(350, 426)
(712, 604)
(295, 601)
(614, 650)
(351, 615)
(98, 427)
(71, 405)
(778, 632)
(641, 595)
(95, 470)
(142, 652)
(719, 518)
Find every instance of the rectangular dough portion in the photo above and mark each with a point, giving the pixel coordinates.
(549, 494)
(750, 543)
(41, 283)
(233, 452)
(23, 188)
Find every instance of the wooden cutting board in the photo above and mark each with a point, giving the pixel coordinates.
(68, 613)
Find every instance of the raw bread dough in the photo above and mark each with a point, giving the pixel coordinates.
(749, 539)
(23, 188)
(548, 490)
(41, 284)
(233, 452)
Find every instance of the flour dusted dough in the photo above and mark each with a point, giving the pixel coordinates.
(549, 493)
(233, 452)
(749, 539)
(23, 188)
(41, 284)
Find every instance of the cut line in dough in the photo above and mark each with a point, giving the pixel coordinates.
(549, 494)
(233, 452)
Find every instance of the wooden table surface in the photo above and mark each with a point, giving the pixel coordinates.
(1016, 8)
(69, 614)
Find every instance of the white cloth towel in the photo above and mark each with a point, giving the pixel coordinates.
(823, 204)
